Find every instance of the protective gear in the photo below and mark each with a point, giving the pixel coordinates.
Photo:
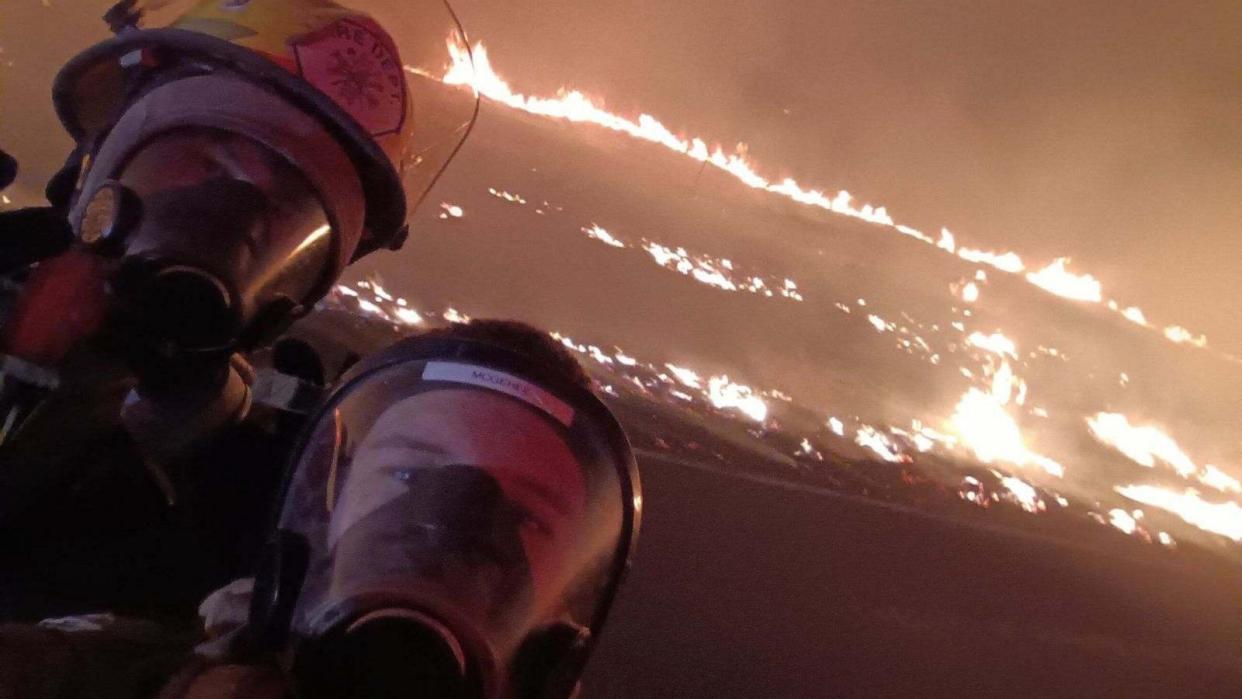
(63, 302)
(78, 506)
(455, 524)
(376, 94)
(322, 91)
(233, 156)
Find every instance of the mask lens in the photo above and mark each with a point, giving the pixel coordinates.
(468, 505)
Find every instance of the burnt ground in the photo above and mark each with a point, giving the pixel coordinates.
(747, 588)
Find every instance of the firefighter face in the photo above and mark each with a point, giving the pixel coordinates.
(541, 486)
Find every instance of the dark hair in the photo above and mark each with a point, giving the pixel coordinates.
(524, 339)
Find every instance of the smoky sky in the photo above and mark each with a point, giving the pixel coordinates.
(1107, 131)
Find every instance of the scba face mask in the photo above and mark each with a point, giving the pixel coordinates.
(347, 99)
(218, 240)
(455, 525)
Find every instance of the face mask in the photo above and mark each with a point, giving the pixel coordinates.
(472, 513)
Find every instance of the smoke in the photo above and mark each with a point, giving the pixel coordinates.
(1051, 128)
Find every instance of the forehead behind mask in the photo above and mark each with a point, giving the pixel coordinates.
(460, 427)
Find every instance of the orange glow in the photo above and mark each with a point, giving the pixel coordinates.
(1055, 278)
(1224, 518)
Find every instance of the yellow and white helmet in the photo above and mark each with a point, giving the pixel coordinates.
(366, 70)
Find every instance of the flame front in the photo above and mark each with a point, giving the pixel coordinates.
(474, 69)
(988, 419)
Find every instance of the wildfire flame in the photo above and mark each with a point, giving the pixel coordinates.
(474, 69)
(1055, 278)
(983, 420)
(723, 393)
(719, 273)
(993, 435)
(1145, 445)
(1224, 518)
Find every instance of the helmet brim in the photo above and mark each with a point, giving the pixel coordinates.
(90, 92)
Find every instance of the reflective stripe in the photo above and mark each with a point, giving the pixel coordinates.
(285, 392)
(28, 372)
(501, 382)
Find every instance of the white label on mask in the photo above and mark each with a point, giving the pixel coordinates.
(504, 383)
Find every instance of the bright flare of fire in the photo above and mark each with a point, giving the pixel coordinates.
(1143, 445)
(1181, 335)
(992, 434)
(970, 292)
(723, 394)
(1005, 262)
(1147, 444)
(880, 444)
(1055, 278)
(996, 343)
(1023, 493)
(1224, 518)
(603, 236)
(1122, 520)
(1215, 478)
(1135, 315)
(687, 376)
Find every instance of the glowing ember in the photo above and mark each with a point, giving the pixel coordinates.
(597, 233)
(970, 293)
(880, 324)
(1003, 384)
(686, 376)
(1181, 335)
(719, 273)
(837, 427)
(408, 316)
(1023, 493)
(1122, 520)
(996, 343)
(948, 242)
(1135, 315)
(452, 315)
(511, 198)
(725, 394)
(448, 210)
(1224, 518)
(871, 438)
(680, 260)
